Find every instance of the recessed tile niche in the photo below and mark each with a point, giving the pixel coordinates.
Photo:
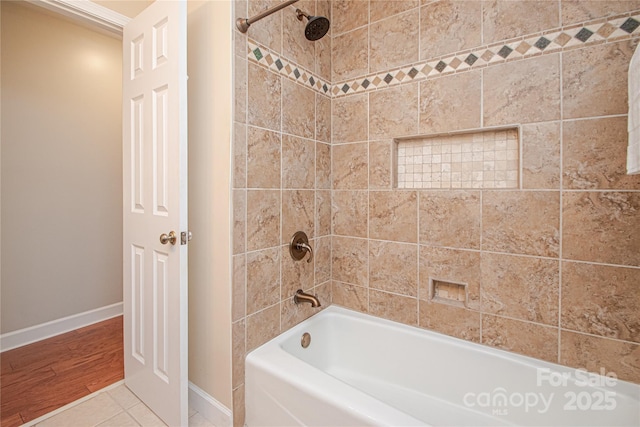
(479, 159)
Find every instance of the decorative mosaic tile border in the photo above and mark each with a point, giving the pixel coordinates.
(599, 31)
(273, 61)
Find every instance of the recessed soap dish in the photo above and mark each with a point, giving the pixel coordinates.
(448, 292)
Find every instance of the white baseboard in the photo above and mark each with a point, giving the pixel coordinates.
(215, 412)
(46, 330)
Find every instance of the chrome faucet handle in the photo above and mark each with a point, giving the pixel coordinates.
(299, 246)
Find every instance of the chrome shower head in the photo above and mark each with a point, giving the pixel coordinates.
(317, 26)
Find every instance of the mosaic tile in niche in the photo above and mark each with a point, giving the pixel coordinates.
(486, 159)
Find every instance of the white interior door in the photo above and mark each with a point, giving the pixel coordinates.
(155, 203)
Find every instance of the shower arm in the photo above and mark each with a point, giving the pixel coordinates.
(243, 23)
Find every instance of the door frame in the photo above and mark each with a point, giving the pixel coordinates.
(110, 22)
(88, 12)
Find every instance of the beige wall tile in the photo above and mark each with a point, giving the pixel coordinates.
(263, 210)
(601, 300)
(585, 10)
(264, 89)
(594, 353)
(238, 296)
(263, 279)
(541, 155)
(349, 260)
(263, 158)
(595, 154)
(349, 120)
(351, 296)
(238, 353)
(323, 56)
(451, 320)
(440, 34)
(238, 407)
(350, 166)
(521, 287)
(323, 118)
(393, 267)
(349, 54)
(239, 155)
(522, 91)
(323, 213)
(451, 103)
(521, 222)
(269, 31)
(380, 9)
(594, 80)
(505, 19)
(295, 45)
(240, 40)
(298, 213)
(530, 339)
(263, 326)
(393, 215)
(295, 274)
(323, 293)
(292, 313)
(298, 109)
(450, 218)
(349, 213)
(240, 88)
(348, 14)
(323, 166)
(601, 227)
(298, 162)
(380, 169)
(393, 307)
(393, 112)
(323, 8)
(451, 265)
(239, 221)
(322, 259)
(393, 42)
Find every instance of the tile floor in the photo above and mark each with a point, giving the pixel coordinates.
(111, 407)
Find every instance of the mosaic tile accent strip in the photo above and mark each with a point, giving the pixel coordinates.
(600, 31)
(483, 159)
(267, 58)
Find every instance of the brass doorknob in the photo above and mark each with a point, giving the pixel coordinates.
(172, 237)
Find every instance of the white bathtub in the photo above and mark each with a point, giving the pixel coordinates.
(364, 371)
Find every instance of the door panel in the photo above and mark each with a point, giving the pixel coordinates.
(155, 203)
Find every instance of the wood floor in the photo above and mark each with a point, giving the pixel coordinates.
(41, 377)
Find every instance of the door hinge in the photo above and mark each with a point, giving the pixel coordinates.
(185, 236)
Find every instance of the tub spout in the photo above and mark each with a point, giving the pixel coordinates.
(300, 296)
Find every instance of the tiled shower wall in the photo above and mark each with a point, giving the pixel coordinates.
(552, 268)
(281, 182)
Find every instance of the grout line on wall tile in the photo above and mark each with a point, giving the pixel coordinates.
(560, 216)
(502, 316)
(581, 119)
(634, 267)
(600, 336)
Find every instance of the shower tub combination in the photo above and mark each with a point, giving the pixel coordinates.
(358, 370)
